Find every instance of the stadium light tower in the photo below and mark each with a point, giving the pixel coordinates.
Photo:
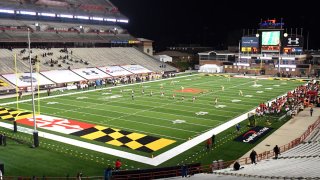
(35, 132)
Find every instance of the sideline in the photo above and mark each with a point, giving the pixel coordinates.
(93, 90)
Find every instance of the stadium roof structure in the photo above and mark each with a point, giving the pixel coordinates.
(99, 10)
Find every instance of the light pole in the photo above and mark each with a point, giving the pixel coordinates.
(35, 132)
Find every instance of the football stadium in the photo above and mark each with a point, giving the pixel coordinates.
(81, 98)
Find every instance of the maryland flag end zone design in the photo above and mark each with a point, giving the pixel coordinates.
(111, 136)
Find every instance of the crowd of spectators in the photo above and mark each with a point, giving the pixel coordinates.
(293, 102)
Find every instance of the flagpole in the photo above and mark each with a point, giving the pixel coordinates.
(35, 132)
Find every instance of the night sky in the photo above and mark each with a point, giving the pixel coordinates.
(214, 23)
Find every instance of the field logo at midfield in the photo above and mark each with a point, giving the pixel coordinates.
(60, 125)
(178, 121)
(201, 113)
(190, 90)
(253, 135)
(220, 106)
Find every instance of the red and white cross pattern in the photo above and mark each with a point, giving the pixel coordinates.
(61, 125)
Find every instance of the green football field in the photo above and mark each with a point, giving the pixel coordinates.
(164, 119)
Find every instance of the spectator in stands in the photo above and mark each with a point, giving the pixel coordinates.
(311, 111)
(118, 164)
(236, 166)
(108, 173)
(253, 156)
(276, 151)
(184, 170)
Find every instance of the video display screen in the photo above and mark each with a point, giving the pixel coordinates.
(270, 38)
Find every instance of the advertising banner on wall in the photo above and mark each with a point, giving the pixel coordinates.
(253, 135)
(293, 41)
(115, 71)
(250, 42)
(137, 69)
(91, 73)
(62, 76)
(24, 79)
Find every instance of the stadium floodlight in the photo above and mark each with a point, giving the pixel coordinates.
(66, 16)
(111, 20)
(257, 35)
(285, 34)
(36, 24)
(48, 14)
(28, 13)
(97, 18)
(82, 17)
(123, 20)
(8, 11)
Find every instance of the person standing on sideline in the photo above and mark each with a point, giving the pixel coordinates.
(238, 128)
(276, 151)
(4, 139)
(20, 94)
(118, 164)
(311, 111)
(253, 156)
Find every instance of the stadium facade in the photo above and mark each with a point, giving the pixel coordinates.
(271, 49)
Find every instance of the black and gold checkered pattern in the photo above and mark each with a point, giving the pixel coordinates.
(3, 84)
(117, 137)
(10, 114)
